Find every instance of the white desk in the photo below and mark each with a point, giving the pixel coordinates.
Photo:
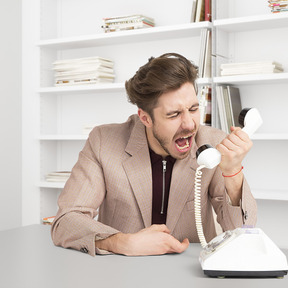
(29, 259)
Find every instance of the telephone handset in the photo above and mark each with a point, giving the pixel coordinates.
(233, 252)
(210, 157)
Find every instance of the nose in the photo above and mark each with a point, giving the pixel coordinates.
(187, 121)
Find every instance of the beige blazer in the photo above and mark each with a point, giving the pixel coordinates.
(113, 177)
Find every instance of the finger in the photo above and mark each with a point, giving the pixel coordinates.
(242, 135)
(179, 247)
(233, 141)
(225, 148)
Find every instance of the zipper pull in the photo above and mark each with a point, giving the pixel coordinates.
(164, 162)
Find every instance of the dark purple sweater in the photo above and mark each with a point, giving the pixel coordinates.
(161, 174)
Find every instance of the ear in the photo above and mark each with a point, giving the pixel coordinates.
(145, 118)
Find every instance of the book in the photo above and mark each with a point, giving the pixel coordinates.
(207, 71)
(205, 53)
(207, 10)
(127, 22)
(234, 104)
(231, 72)
(83, 82)
(58, 176)
(205, 105)
(68, 64)
(251, 64)
(200, 11)
(203, 42)
(229, 106)
(79, 71)
(221, 108)
(278, 6)
(48, 220)
(193, 11)
(250, 68)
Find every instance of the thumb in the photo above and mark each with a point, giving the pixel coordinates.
(160, 228)
(233, 128)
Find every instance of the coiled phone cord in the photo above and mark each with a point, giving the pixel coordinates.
(197, 205)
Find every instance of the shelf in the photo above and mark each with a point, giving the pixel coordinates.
(124, 37)
(111, 87)
(270, 136)
(270, 194)
(251, 23)
(53, 137)
(204, 81)
(54, 185)
(275, 78)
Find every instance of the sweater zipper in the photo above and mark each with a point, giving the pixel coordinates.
(163, 185)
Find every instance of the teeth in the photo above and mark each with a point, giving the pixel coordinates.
(183, 147)
(186, 137)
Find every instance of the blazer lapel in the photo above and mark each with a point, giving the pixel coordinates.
(138, 170)
(182, 184)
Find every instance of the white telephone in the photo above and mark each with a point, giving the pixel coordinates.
(243, 252)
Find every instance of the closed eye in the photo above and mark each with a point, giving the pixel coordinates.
(173, 114)
(194, 108)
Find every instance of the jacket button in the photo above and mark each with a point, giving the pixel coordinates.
(84, 250)
(246, 215)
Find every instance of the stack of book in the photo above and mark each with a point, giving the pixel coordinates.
(278, 6)
(205, 105)
(201, 10)
(59, 176)
(128, 22)
(48, 220)
(229, 106)
(262, 67)
(205, 54)
(89, 70)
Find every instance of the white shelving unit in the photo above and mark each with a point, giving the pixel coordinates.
(54, 116)
(254, 34)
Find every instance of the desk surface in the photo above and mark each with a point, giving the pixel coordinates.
(29, 259)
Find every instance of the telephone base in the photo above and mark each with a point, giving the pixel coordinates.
(243, 252)
(245, 274)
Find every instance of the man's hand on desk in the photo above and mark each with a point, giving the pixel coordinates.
(154, 240)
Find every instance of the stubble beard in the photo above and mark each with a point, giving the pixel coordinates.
(164, 142)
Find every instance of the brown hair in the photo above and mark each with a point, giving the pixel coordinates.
(160, 75)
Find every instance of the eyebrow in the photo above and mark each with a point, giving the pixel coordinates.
(177, 111)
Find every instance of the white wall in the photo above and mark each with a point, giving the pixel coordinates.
(273, 220)
(10, 114)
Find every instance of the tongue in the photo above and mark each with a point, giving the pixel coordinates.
(181, 142)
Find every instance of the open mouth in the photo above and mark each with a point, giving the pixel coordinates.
(183, 144)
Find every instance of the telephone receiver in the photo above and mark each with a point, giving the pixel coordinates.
(210, 157)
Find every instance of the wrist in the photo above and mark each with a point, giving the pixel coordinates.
(232, 172)
(116, 243)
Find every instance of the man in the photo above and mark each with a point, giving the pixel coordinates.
(139, 175)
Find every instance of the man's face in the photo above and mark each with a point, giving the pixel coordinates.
(176, 121)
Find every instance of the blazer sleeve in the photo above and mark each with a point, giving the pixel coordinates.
(74, 225)
(228, 216)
